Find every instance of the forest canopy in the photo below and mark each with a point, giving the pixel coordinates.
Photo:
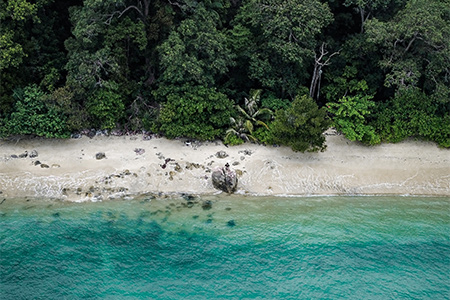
(267, 71)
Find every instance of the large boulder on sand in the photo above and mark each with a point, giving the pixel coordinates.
(224, 179)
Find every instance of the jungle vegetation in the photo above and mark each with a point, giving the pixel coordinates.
(267, 71)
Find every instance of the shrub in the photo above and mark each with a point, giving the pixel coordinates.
(264, 135)
(106, 107)
(195, 112)
(412, 114)
(349, 117)
(232, 140)
(33, 115)
(301, 126)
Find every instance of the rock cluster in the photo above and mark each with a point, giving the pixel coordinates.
(25, 154)
(225, 179)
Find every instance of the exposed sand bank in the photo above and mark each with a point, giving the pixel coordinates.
(345, 168)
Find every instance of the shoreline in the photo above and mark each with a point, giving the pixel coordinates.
(136, 166)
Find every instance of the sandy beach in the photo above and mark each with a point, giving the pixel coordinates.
(68, 169)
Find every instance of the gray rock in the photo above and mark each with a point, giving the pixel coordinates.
(33, 154)
(23, 155)
(224, 179)
(221, 154)
(45, 166)
(100, 155)
(139, 151)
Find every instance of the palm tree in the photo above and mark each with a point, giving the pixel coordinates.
(249, 117)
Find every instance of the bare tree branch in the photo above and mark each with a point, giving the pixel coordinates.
(120, 13)
(317, 73)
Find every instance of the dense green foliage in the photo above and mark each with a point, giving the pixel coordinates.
(412, 113)
(354, 106)
(33, 115)
(301, 125)
(222, 68)
(196, 112)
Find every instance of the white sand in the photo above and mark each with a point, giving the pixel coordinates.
(345, 168)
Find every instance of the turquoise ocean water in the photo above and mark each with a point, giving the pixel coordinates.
(227, 247)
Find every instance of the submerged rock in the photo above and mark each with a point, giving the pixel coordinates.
(225, 179)
(206, 205)
(188, 197)
(231, 223)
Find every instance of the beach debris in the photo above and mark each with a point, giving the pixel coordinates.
(33, 154)
(225, 179)
(191, 166)
(139, 151)
(166, 161)
(160, 155)
(100, 155)
(221, 154)
(178, 168)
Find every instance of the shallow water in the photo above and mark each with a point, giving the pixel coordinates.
(231, 248)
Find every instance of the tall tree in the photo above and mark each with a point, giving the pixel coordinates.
(192, 61)
(114, 44)
(283, 40)
(196, 52)
(416, 46)
(32, 35)
(367, 9)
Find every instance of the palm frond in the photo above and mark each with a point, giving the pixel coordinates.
(258, 122)
(249, 126)
(243, 112)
